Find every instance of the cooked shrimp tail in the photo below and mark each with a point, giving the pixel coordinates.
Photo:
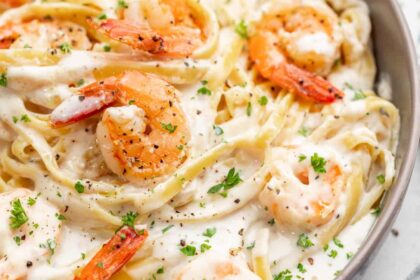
(113, 255)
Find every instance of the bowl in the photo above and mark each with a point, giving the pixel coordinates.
(396, 56)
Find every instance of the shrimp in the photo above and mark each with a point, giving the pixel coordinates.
(294, 45)
(298, 196)
(113, 255)
(145, 132)
(28, 233)
(161, 28)
(44, 34)
(214, 265)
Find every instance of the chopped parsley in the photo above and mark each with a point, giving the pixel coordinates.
(318, 163)
(242, 29)
(231, 180)
(349, 255)
(60, 217)
(271, 222)
(304, 241)
(80, 82)
(304, 132)
(131, 102)
(338, 242)
(51, 245)
(25, 118)
(283, 275)
(18, 215)
(83, 256)
(129, 219)
(302, 157)
(263, 100)
(218, 130)
(167, 228)
(160, 270)
(333, 254)
(204, 247)
(169, 127)
(210, 232)
(65, 48)
(100, 264)
(102, 16)
(249, 109)
(251, 246)
(15, 119)
(204, 90)
(31, 201)
(17, 239)
(377, 211)
(122, 4)
(380, 179)
(26, 46)
(107, 48)
(188, 250)
(358, 95)
(326, 246)
(301, 268)
(3, 79)
(80, 188)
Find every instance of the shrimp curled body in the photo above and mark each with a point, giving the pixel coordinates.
(144, 132)
(294, 45)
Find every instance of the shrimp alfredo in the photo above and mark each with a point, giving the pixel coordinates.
(189, 139)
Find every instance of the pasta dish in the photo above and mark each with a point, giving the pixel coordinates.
(189, 139)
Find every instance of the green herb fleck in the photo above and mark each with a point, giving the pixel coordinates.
(377, 211)
(380, 179)
(304, 241)
(349, 255)
(15, 119)
(100, 265)
(25, 118)
(218, 130)
(122, 4)
(102, 16)
(107, 48)
(65, 48)
(318, 163)
(60, 217)
(83, 256)
(204, 247)
(251, 246)
(3, 79)
(17, 239)
(80, 188)
(160, 270)
(271, 222)
(129, 219)
(249, 109)
(169, 127)
(167, 228)
(131, 102)
(302, 157)
(231, 180)
(283, 275)
(358, 95)
(31, 201)
(333, 254)
(210, 232)
(80, 82)
(18, 215)
(338, 242)
(263, 100)
(188, 250)
(304, 132)
(242, 29)
(301, 268)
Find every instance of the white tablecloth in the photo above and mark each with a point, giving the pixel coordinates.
(399, 258)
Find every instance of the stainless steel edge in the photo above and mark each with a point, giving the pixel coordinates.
(395, 197)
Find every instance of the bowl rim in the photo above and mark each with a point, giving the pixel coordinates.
(382, 225)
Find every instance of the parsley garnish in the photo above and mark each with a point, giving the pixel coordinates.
(25, 118)
(302, 157)
(107, 48)
(60, 217)
(167, 228)
(169, 127)
(358, 95)
(100, 265)
(349, 255)
(251, 246)
(83, 256)
(188, 250)
(231, 180)
(18, 215)
(65, 48)
(160, 270)
(249, 109)
(218, 130)
(15, 119)
(283, 275)
(326, 246)
(338, 242)
(242, 30)
(318, 163)
(301, 268)
(204, 90)
(122, 4)
(377, 211)
(3, 79)
(102, 16)
(129, 219)
(80, 188)
(304, 132)
(210, 232)
(31, 201)
(263, 100)
(131, 102)
(380, 179)
(204, 247)
(271, 222)
(17, 239)
(304, 241)
(51, 246)
(333, 254)
(80, 82)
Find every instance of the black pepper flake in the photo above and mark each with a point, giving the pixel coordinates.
(81, 97)
(237, 200)
(28, 264)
